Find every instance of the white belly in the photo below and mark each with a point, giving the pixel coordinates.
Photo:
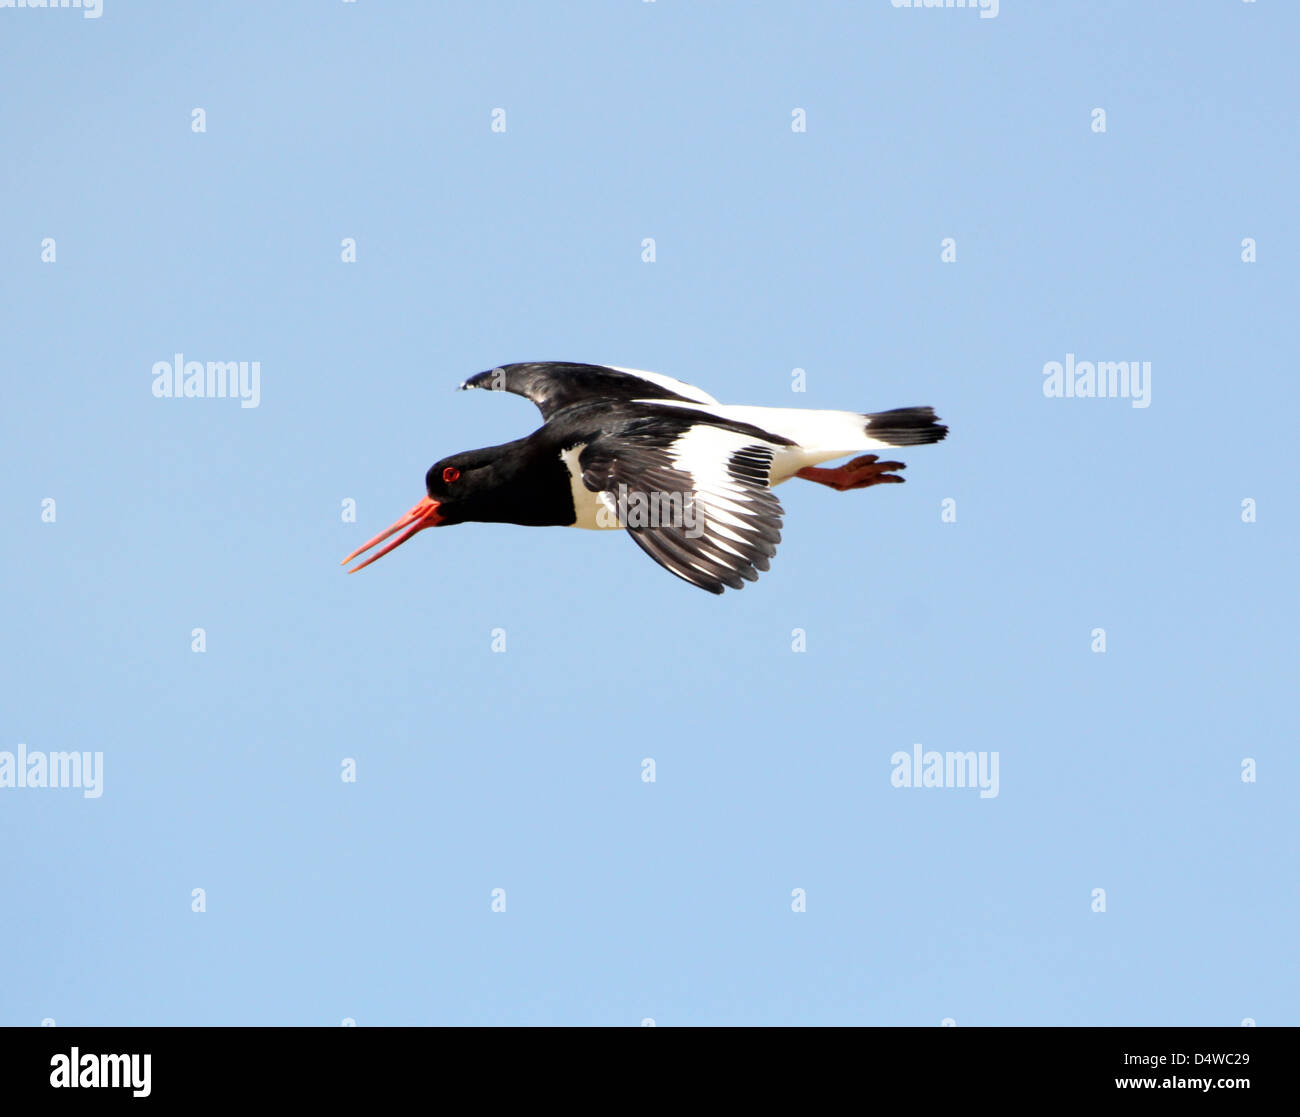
(592, 511)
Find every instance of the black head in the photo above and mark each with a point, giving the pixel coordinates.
(467, 486)
(518, 483)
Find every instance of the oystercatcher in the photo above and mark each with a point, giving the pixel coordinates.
(689, 478)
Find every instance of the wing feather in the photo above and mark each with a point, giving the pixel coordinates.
(555, 385)
(727, 522)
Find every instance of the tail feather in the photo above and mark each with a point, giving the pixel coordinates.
(906, 426)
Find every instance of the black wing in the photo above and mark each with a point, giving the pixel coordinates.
(553, 385)
(693, 496)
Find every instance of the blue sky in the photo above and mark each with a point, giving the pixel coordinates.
(521, 770)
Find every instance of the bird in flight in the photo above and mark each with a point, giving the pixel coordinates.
(689, 478)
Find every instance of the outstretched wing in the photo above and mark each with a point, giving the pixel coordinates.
(553, 385)
(693, 496)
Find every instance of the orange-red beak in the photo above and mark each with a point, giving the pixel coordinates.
(424, 514)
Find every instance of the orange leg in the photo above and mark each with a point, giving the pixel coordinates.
(860, 473)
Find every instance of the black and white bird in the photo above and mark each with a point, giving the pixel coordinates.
(689, 478)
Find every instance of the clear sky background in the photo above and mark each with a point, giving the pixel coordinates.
(521, 770)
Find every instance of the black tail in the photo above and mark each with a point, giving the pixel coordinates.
(906, 426)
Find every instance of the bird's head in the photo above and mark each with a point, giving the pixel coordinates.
(462, 488)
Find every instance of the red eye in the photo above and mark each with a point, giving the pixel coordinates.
(450, 474)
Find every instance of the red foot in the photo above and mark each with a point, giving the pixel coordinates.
(860, 473)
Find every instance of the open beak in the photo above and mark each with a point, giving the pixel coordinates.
(424, 514)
